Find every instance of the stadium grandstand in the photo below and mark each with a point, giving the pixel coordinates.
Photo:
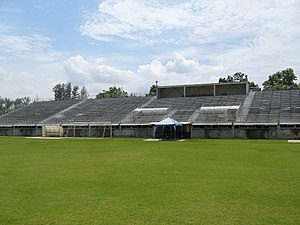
(222, 110)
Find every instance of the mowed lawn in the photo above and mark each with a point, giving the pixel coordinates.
(129, 181)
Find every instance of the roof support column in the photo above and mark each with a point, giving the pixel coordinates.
(214, 90)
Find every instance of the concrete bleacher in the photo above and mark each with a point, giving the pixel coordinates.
(263, 107)
(275, 107)
(178, 108)
(183, 109)
(35, 112)
(215, 109)
(111, 110)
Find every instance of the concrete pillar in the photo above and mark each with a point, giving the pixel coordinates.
(214, 90)
(278, 131)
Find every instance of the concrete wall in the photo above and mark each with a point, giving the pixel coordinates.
(173, 92)
(227, 132)
(232, 89)
(199, 91)
(6, 131)
(142, 132)
(201, 132)
(21, 131)
(217, 89)
(247, 132)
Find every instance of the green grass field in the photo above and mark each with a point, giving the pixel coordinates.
(129, 181)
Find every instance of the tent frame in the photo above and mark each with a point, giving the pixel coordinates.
(168, 122)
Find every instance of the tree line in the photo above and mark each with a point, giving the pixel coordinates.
(281, 80)
(7, 104)
(66, 91)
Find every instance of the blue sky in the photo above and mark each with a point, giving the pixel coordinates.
(133, 43)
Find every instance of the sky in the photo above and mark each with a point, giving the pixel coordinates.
(133, 43)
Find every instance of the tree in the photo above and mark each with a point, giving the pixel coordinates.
(58, 92)
(239, 77)
(75, 94)
(152, 91)
(112, 92)
(84, 93)
(22, 101)
(7, 104)
(65, 91)
(254, 86)
(229, 79)
(68, 91)
(281, 80)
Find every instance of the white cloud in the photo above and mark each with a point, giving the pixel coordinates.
(186, 22)
(182, 65)
(275, 47)
(83, 71)
(256, 37)
(96, 75)
(177, 71)
(34, 82)
(4, 28)
(13, 43)
(3, 74)
(27, 47)
(150, 23)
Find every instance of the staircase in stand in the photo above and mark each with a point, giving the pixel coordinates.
(245, 107)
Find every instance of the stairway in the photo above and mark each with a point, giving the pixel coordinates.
(130, 116)
(58, 115)
(245, 107)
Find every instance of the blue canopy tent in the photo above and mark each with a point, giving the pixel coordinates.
(166, 129)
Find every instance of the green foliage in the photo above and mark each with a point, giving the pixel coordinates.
(152, 91)
(239, 77)
(84, 93)
(253, 86)
(58, 90)
(129, 181)
(113, 92)
(22, 101)
(68, 91)
(7, 104)
(75, 94)
(281, 80)
(64, 91)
